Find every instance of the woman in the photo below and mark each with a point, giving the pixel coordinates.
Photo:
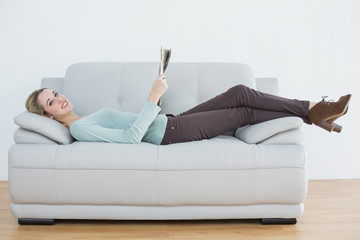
(237, 107)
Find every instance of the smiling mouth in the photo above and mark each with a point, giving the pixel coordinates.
(64, 104)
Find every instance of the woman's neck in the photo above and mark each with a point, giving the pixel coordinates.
(70, 119)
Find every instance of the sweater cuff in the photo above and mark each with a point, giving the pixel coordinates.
(153, 105)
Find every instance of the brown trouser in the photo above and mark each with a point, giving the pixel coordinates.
(237, 107)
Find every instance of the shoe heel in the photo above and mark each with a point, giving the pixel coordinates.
(337, 128)
(325, 125)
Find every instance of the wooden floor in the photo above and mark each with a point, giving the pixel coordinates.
(332, 211)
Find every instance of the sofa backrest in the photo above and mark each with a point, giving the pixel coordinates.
(125, 86)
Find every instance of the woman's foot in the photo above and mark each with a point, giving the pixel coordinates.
(337, 128)
(324, 113)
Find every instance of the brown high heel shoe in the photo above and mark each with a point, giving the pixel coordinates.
(325, 112)
(337, 128)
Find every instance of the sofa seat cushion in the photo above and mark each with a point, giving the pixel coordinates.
(222, 152)
(221, 171)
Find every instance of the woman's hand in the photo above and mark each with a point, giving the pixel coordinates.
(160, 86)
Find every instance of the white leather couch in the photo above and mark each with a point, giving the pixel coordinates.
(254, 172)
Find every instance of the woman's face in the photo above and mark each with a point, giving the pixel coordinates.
(55, 104)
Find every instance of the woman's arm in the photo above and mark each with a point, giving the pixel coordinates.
(160, 86)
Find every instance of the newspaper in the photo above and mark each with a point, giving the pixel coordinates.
(165, 54)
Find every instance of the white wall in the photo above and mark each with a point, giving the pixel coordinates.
(313, 47)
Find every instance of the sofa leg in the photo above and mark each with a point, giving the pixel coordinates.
(267, 221)
(35, 221)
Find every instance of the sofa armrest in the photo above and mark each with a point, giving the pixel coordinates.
(23, 136)
(293, 136)
(45, 126)
(267, 85)
(257, 133)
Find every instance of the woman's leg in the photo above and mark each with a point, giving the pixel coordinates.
(209, 124)
(242, 96)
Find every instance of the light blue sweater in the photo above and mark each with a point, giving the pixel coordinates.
(109, 125)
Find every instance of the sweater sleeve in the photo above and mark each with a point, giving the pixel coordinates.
(87, 131)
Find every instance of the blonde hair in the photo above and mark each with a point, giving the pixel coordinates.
(32, 104)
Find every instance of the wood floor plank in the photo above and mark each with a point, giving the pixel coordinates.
(332, 211)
